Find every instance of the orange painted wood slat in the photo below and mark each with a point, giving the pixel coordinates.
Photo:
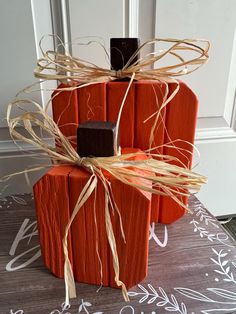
(65, 112)
(87, 267)
(51, 196)
(135, 209)
(181, 117)
(92, 102)
(115, 94)
(148, 99)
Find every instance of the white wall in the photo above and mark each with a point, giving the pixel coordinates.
(17, 50)
(19, 30)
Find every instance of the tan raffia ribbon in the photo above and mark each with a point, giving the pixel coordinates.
(162, 177)
(58, 66)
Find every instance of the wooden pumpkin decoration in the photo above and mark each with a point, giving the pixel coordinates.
(176, 124)
(55, 196)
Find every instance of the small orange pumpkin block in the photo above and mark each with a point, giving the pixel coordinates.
(181, 117)
(55, 197)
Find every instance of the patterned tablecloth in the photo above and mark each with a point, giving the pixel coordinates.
(192, 269)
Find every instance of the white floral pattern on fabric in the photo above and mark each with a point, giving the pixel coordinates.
(219, 297)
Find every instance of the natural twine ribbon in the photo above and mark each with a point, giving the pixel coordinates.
(161, 176)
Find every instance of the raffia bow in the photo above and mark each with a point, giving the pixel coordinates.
(163, 177)
(57, 66)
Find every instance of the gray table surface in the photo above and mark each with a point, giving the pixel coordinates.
(192, 269)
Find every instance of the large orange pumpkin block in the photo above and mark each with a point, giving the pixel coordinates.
(181, 117)
(176, 122)
(66, 112)
(63, 186)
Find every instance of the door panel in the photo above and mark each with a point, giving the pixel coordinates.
(215, 21)
(214, 84)
(96, 21)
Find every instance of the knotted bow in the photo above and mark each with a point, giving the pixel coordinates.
(56, 66)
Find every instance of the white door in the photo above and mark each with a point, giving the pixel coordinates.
(215, 85)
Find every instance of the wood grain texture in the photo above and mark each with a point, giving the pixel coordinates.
(115, 94)
(65, 111)
(92, 102)
(97, 139)
(52, 205)
(87, 267)
(134, 206)
(181, 118)
(148, 99)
